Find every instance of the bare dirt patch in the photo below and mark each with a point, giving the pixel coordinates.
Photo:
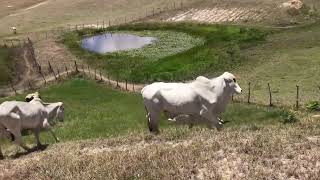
(272, 12)
(219, 14)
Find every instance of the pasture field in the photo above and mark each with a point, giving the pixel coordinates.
(219, 52)
(285, 59)
(254, 144)
(38, 15)
(7, 65)
(105, 135)
(282, 57)
(96, 111)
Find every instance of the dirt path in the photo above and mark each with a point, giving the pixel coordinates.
(29, 8)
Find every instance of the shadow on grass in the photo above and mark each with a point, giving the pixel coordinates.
(32, 150)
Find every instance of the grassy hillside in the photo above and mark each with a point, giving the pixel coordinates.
(35, 15)
(96, 111)
(7, 65)
(286, 59)
(275, 152)
(219, 52)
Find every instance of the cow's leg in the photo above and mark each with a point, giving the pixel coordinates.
(48, 127)
(15, 129)
(153, 114)
(2, 135)
(213, 121)
(36, 135)
(153, 122)
(192, 121)
(18, 138)
(1, 155)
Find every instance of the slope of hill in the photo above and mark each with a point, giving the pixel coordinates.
(253, 135)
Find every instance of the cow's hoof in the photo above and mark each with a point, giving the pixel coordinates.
(219, 127)
(155, 132)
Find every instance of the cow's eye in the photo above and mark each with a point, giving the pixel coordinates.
(234, 80)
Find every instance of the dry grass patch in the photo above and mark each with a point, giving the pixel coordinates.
(279, 152)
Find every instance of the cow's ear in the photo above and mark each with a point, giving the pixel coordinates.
(228, 80)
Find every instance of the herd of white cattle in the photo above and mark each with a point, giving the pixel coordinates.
(199, 101)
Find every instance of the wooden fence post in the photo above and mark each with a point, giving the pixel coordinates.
(270, 95)
(45, 81)
(126, 85)
(297, 98)
(133, 87)
(76, 66)
(65, 66)
(95, 74)
(101, 76)
(117, 82)
(58, 73)
(249, 92)
(83, 69)
(89, 70)
(51, 69)
(29, 85)
(11, 84)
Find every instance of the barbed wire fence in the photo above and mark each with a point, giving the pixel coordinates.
(55, 74)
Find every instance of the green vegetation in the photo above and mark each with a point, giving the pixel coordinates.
(94, 111)
(287, 58)
(313, 106)
(6, 64)
(219, 52)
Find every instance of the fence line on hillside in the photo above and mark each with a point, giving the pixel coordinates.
(96, 74)
(55, 73)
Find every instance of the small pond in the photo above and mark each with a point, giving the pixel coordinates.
(112, 42)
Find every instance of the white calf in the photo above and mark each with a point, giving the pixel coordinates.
(16, 116)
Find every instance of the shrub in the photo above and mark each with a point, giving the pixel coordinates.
(313, 106)
(288, 117)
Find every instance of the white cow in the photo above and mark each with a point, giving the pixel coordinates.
(16, 116)
(202, 99)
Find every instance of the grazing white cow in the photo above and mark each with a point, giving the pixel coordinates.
(203, 99)
(16, 116)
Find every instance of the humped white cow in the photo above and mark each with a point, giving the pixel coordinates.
(203, 99)
(16, 116)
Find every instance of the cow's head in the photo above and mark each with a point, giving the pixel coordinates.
(231, 83)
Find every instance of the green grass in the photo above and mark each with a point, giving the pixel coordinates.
(6, 65)
(95, 111)
(219, 52)
(287, 58)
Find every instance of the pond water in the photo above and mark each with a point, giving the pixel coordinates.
(112, 42)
